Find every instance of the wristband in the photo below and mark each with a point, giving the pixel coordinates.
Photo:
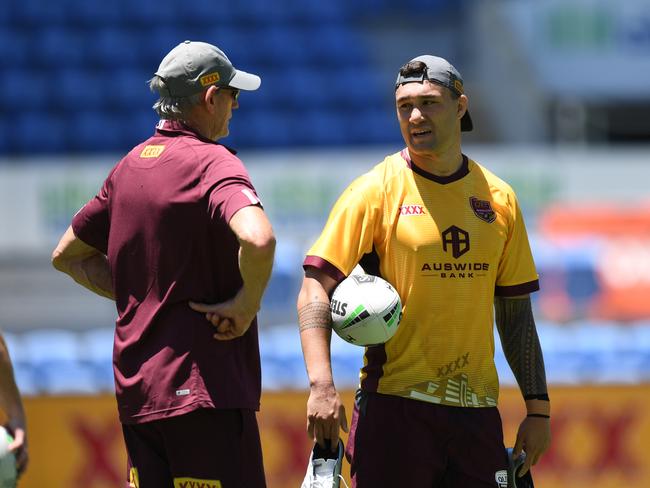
(541, 396)
(540, 415)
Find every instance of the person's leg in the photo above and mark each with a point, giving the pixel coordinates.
(391, 443)
(476, 453)
(219, 448)
(147, 464)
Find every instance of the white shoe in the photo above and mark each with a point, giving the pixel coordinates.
(324, 472)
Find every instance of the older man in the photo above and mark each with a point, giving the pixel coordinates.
(175, 236)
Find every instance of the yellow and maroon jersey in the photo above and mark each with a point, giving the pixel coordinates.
(448, 245)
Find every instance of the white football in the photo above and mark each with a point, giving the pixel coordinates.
(366, 310)
(8, 472)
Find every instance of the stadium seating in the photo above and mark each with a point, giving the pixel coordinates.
(87, 61)
(55, 361)
(54, 356)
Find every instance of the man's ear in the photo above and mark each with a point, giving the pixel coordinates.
(462, 105)
(209, 97)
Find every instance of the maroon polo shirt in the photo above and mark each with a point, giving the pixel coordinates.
(162, 218)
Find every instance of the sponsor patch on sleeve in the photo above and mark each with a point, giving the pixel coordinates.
(152, 151)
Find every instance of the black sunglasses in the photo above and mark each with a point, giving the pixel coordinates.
(233, 91)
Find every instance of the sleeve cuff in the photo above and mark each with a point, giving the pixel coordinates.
(516, 290)
(238, 200)
(325, 266)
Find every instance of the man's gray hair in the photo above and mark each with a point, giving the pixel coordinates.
(172, 108)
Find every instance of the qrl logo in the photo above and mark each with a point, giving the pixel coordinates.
(456, 239)
(501, 478)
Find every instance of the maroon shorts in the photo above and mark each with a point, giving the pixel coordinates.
(210, 448)
(396, 441)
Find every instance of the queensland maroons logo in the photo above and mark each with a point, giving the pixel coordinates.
(483, 209)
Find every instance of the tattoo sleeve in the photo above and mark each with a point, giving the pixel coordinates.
(315, 315)
(516, 326)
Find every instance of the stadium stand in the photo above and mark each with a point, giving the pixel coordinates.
(75, 62)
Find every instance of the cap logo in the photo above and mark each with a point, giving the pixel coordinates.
(209, 79)
(152, 151)
(458, 85)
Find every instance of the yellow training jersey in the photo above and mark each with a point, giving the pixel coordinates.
(448, 245)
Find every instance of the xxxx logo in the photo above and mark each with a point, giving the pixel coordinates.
(460, 362)
(411, 210)
(196, 483)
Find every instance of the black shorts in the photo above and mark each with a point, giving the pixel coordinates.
(211, 448)
(397, 441)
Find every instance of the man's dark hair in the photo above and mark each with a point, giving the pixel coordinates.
(419, 68)
(413, 68)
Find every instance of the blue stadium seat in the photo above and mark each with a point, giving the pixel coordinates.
(5, 144)
(15, 48)
(156, 42)
(151, 12)
(55, 356)
(376, 126)
(262, 128)
(37, 12)
(306, 87)
(23, 90)
(95, 14)
(130, 89)
(136, 125)
(97, 131)
(57, 46)
(317, 12)
(207, 13)
(356, 86)
(283, 368)
(321, 127)
(38, 132)
(271, 93)
(23, 370)
(115, 47)
(98, 58)
(240, 45)
(336, 45)
(97, 350)
(260, 12)
(77, 88)
(44, 345)
(278, 45)
(14, 346)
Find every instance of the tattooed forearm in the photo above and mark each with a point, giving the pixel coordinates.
(516, 325)
(315, 315)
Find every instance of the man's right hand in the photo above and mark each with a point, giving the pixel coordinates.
(231, 318)
(325, 415)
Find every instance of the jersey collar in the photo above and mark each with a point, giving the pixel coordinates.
(173, 128)
(460, 173)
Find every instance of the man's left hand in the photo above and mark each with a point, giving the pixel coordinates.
(534, 438)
